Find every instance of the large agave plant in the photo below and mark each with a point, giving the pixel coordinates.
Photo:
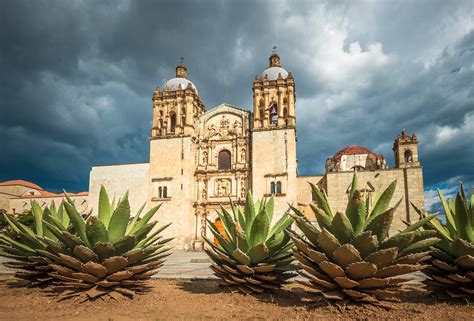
(451, 273)
(251, 255)
(108, 255)
(351, 256)
(21, 244)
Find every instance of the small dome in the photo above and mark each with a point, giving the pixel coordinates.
(355, 150)
(272, 73)
(178, 83)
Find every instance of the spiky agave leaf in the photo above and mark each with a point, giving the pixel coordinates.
(20, 243)
(109, 255)
(350, 256)
(451, 273)
(251, 254)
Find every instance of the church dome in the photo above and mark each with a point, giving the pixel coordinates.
(355, 150)
(178, 84)
(274, 68)
(272, 73)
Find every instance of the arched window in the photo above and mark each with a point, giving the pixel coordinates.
(224, 160)
(285, 115)
(273, 113)
(161, 123)
(408, 156)
(278, 188)
(173, 123)
(160, 192)
(272, 188)
(165, 192)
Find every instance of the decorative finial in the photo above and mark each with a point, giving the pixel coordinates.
(181, 60)
(274, 49)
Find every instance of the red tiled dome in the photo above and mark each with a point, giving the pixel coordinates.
(355, 150)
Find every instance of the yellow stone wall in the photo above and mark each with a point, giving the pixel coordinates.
(119, 179)
(20, 205)
(172, 165)
(274, 159)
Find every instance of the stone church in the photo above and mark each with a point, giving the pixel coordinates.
(202, 158)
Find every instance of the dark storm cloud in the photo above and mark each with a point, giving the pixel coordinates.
(77, 77)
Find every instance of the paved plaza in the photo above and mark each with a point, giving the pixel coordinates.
(179, 265)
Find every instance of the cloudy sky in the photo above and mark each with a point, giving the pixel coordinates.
(77, 78)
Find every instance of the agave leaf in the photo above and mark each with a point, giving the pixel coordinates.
(419, 246)
(38, 216)
(357, 212)
(259, 229)
(47, 216)
(450, 224)
(242, 243)
(125, 244)
(62, 217)
(77, 222)
(146, 218)
(328, 242)
(241, 257)
(227, 246)
(17, 244)
(321, 200)
(258, 253)
(96, 231)
(143, 232)
(382, 203)
(241, 220)
(104, 250)
(365, 243)
(460, 247)
(228, 223)
(269, 208)
(104, 207)
(284, 222)
(249, 212)
(119, 220)
(380, 225)
(420, 223)
(309, 230)
(401, 241)
(462, 218)
(150, 239)
(444, 233)
(277, 242)
(323, 219)
(341, 228)
(134, 220)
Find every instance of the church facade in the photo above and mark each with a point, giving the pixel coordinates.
(201, 159)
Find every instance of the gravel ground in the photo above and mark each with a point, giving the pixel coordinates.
(204, 299)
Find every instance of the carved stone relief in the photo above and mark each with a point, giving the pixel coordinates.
(223, 187)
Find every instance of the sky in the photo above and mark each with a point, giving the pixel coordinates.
(77, 78)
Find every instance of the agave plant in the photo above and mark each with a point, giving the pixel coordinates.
(21, 243)
(451, 273)
(351, 255)
(108, 255)
(251, 255)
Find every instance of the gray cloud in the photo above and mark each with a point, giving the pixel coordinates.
(77, 77)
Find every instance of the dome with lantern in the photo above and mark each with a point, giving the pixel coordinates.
(180, 82)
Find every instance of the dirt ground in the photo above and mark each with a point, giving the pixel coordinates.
(169, 300)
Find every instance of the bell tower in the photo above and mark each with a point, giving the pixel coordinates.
(405, 149)
(274, 96)
(274, 164)
(175, 108)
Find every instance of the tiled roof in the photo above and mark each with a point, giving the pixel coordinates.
(45, 194)
(354, 150)
(22, 183)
